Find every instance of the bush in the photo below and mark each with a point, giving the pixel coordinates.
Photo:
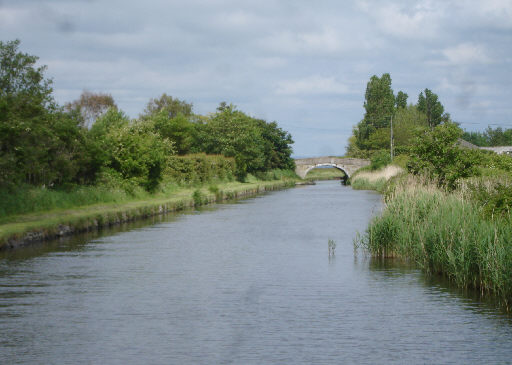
(200, 168)
(437, 154)
(380, 159)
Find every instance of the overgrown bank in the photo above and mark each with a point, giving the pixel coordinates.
(87, 164)
(36, 227)
(445, 233)
(450, 210)
(464, 234)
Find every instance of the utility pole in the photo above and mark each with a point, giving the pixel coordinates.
(391, 139)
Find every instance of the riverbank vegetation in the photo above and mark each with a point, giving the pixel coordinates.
(90, 152)
(450, 210)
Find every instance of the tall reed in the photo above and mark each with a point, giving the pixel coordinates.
(445, 234)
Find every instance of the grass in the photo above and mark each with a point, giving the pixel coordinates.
(48, 223)
(365, 179)
(445, 233)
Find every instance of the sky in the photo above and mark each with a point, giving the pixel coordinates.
(304, 64)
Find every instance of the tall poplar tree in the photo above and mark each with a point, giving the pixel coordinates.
(379, 105)
(429, 104)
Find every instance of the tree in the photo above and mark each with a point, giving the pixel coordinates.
(90, 106)
(401, 100)
(379, 106)
(25, 106)
(232, 133)
(379, 101)
(436, 153)
(134, 150)
(169, 105)
(429, 104)
(278, 148)
(407, 123)
(178, 129)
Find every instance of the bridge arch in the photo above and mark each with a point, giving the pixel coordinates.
(339, 167)
(347, 164)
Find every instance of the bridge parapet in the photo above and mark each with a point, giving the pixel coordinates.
(347, 165)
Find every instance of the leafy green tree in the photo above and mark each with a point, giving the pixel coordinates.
(90, 106)
(35, 138)
(232, 133)
(429, 104)
(169, 105)
(401, 100)
(139, 154)
(379, 101)
(499, 137)
(379, 106)
(178, 129)
(490, 137)
(407, 123)
(436, 153)
(477, 138)
(278, 148)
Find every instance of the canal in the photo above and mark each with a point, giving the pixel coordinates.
(249, 282)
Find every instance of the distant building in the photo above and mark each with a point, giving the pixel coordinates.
(501, 150)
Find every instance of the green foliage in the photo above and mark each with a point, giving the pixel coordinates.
(90, 106)
(493, 196)
(277, 146)
(39, 144)
(379, 107)
(139, 154)
(254, 144)
(171, 107)
(380, 159)
(437, 155)
(378, 185)
(401, 100)
(178, 129)
(200, 168)
(44, 145)
(429, 104)
(408, 122)
(444, 234)
(198, 198)
(490, 137)
(379, 101)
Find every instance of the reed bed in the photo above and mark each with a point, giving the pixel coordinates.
(374, 180)
(445, 233)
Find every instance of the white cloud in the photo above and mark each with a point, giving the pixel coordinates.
(418, 21)
(313, 85)
(466, 53)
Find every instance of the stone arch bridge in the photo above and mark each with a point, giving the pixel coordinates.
(347, 165)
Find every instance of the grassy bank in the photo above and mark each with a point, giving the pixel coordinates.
(365, 179)
(445, 233)
(42, 225)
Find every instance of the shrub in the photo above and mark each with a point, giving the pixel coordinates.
(380, 159)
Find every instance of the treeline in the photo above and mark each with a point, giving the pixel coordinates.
(383, 108)
(425, 139)
(490, 137)
(91, 141)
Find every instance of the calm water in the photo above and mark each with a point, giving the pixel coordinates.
(244, 283)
